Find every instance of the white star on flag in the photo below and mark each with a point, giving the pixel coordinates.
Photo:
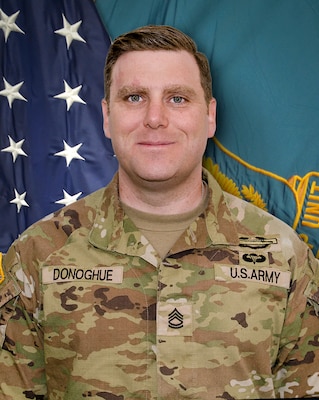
(19, 200)
(70, 31)
(15, 148)
(70, 153)
(12, 92)
(8, 25)
(70, 95)
(68, 199)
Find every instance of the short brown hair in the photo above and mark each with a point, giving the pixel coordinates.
(156, 37)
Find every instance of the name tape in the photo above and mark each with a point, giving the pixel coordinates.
(70, 273)
(267, 276)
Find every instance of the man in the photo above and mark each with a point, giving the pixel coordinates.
(159, 286)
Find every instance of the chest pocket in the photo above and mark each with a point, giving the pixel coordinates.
(260, 261)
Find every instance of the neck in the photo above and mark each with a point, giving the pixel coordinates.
(165, 198)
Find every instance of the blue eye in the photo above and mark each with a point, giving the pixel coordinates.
(178, 99)
(134, 98)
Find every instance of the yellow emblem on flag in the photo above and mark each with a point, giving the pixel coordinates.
(1, 270)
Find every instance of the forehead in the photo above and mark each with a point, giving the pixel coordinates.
(148, 66)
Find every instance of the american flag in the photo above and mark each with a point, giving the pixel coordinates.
(52, 147)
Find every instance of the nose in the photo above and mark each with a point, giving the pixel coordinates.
(156, 115)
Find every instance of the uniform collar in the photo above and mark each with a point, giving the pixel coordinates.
(114, 231)
(216, 226)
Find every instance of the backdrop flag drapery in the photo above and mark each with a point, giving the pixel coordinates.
(52, 146)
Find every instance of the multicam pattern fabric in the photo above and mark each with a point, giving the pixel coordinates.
(89, 310)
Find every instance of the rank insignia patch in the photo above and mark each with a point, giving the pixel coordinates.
(175, 318)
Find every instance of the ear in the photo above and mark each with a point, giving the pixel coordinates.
(105, 111)
(211, 118)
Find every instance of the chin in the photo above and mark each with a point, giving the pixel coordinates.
(156, 177)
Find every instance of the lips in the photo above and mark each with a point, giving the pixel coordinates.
(155, 143)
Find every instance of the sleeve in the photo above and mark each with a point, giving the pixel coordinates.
(297, 371)
(21, 351)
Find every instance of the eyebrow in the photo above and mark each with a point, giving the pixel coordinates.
(128, 90)
(182, 89)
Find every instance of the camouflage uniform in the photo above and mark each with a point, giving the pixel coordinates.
(89, 310)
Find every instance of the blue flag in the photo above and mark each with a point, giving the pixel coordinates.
(52, 146)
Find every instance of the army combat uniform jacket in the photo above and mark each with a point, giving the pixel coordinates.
(90, 311)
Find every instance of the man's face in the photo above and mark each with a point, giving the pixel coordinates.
(157, 117)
